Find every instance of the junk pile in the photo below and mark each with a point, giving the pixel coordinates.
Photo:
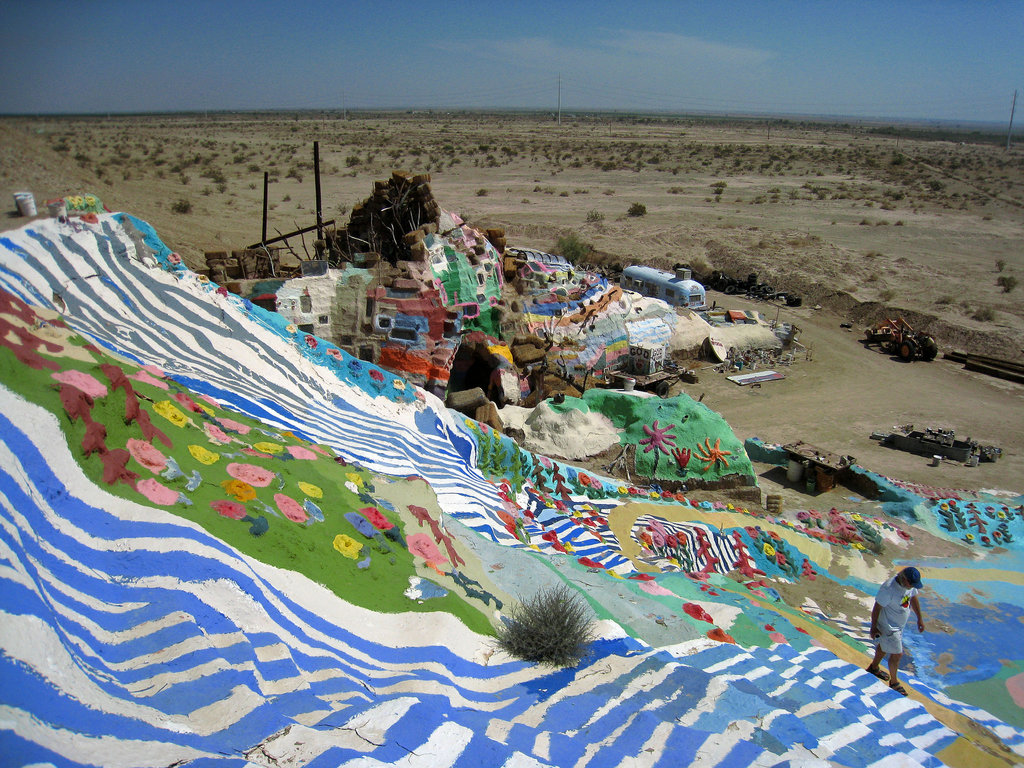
(937, 442)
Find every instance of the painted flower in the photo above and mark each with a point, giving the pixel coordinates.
(242, 491)
(335, 353)
(203, 455)
(348, 546)
(146, 455)
(290, 508)
(311, 490)
(355, 366)
(399, 385)
(222, 291)
(231, 509)
(174, 258)
(376, 375)
(351, 487)
(291, 327)
(170, 411)
(251, 474)
(310, 341)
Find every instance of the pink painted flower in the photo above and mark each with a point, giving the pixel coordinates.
(143, 377)
(251, 474)
(233, 426)
(88, 383)
(156, 492)
(290, 508)
(335, 353)
(146, 455)
(298, 452)
(215, 433)
(231, 509)
(310, 341)
(174, 258)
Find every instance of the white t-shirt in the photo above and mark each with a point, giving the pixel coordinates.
(895, 602)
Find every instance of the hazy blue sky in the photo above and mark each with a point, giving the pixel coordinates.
(938, 60)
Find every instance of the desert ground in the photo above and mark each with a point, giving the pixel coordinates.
(863, 222)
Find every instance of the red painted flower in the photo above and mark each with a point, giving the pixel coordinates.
(376, 375)
(310, 341)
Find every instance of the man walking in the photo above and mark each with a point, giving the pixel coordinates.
(893, 603)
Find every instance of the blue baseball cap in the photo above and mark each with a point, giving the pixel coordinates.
(913, 577)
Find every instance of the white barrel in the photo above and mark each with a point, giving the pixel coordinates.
(26, 203)
(795, 471)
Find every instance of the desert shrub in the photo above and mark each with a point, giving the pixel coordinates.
(1006, 282)
(553, 627)
(887, 295)
(573, 247)
(945, 299)
(481, 193)
(181, 206)
(984, 315)
(637, 209)
(1000, 265)
(593, 216)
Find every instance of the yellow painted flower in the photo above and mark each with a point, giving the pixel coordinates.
(730, 506)
(315, 491)
(623, 489)
(549, 504)
(267, 447)
(856, 518)
(568, 547)
(769, 550)
(348, 546)
(1001, 515)
(170, 411)
(355, 478)
(203, 455)
(399, 385)
(242, 491)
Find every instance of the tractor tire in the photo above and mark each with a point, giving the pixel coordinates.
(929, 349)
(908, 349)
(662, 388)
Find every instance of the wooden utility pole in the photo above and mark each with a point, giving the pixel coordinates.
(266, 182)
(316, 177)
(559, 98)
(1009, 131)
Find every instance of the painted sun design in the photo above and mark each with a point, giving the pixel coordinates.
(711, 456)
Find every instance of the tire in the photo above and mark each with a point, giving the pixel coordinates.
(929, 349)
(908, 349)
(662, 388)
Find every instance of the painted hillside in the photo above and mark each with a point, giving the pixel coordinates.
(223, 542)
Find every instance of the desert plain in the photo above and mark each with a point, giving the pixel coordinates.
(863, 221)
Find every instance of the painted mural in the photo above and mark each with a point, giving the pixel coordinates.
(226, 540)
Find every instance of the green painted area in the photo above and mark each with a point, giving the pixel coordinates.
(305, 547)
(675, 425)
(992, 694)
(477, 284)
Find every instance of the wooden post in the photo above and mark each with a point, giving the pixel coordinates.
(316, 177)
(266, 177)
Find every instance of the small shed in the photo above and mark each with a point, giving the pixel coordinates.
(820, 469)
(676, 288)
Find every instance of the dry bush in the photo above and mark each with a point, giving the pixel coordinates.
(554, 627)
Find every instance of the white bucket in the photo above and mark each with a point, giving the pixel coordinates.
(936, 460)
(26, 203)
(628, 383)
